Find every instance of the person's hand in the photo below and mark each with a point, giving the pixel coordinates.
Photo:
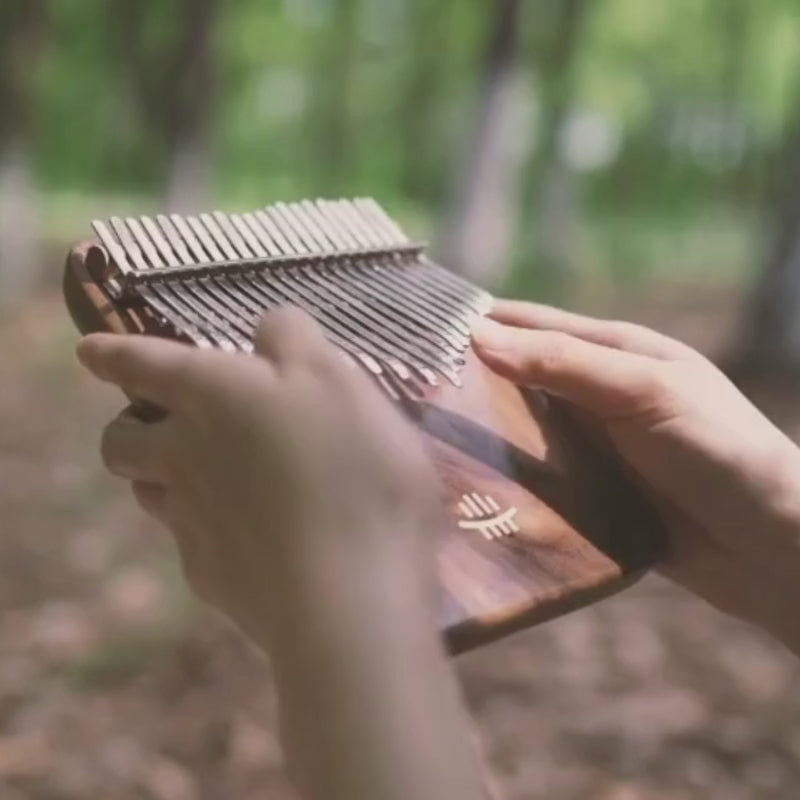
(283, 475)
(304, 507)
(725, 479)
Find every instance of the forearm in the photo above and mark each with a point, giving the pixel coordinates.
(370, 708)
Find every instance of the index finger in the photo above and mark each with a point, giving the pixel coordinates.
(144, 367)
(611, 333)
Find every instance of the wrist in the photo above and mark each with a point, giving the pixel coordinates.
(323, 597)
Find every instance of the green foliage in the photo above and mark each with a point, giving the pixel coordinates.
(344, 96)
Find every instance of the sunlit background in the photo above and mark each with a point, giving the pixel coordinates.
(629, 158)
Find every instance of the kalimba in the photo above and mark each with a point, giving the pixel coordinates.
(542, 521)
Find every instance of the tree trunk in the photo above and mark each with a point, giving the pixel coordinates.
(477, 230)
(331, 113)
(22, 27)
(420, 111)
(549, 202)
(174, 89)
(770, 342)
(187, 128)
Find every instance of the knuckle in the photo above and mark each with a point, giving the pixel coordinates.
(659, 387)
(553, 351)
(628, 332)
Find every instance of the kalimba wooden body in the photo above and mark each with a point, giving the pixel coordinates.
(542, 521)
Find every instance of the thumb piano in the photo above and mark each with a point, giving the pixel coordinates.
(541, 521)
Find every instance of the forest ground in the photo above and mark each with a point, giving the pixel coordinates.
(115, 686)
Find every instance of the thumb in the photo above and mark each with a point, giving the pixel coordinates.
(288, 335)
(599, 379)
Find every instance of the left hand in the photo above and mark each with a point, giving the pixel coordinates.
(287, 480)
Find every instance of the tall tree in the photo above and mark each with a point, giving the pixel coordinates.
(770, 341)
(548, 205)
(332, 103)
(475, 235)
(419, 113)
(22, 34)
(172, 78)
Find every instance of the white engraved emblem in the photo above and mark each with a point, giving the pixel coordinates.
(480, 512)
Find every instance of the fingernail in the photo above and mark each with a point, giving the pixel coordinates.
(491, 335)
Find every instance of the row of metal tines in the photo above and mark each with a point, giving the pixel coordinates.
(345, 262)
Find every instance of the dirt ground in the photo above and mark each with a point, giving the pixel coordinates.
(114, 686)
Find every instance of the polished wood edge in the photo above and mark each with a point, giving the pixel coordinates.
(475, 632)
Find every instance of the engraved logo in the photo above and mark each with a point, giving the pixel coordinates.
(482, 513)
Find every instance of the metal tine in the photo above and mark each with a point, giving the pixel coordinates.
(378, 281)
(292, 224)
(370, 207)
(150, 252)
(452, 282)
(370, 356)
(393, 302)
(199, 297)
(112, 246)
(338, 330)
(385, 316)
(219, 239)
(375, 237)
(193, 224)
(338, 231)
(280, 241)
(455, 282)
(291, 296)
(233, 236)
(219, 288)
(204, 291)
(296, 216)
(179, 320)
(128, 243)
(252, 221)
(194, 298)
(263, 236)
(431, 287)
(167, 306)
(411, 348)
(252, 241)
(162, 245)
(161, 300)
(397, 279)
(270, 235)
(226, 237)
(378, 222)
(180, 247)
(368, 234)
(333, 229)
(393, 340)
(300, 293)
(273, 218)
(334, 210)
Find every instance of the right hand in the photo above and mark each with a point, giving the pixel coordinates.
(725, 479)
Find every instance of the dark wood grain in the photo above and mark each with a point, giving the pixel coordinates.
(582, 534)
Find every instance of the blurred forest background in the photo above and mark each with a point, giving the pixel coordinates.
(623, 157)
